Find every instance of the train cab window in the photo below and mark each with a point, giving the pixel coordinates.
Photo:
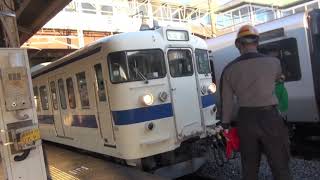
(83, 89)
(71, 96)
(180, 63)
(62, 94)
(286, 51)
(54, 95)
(136, 65)
(149, 64)
(118, 67)
(44, 97)
(202, 61)
(100, 82)
(36, 98)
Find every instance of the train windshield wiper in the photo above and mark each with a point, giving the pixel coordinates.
(136, 70)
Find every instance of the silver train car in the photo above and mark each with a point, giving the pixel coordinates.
(140, 96)
(295, 40)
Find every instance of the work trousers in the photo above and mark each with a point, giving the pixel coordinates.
(262, 130)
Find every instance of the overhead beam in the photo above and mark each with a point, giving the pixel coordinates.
(22, 6)
(36, 14)
(8, 24)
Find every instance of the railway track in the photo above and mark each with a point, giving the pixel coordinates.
(307, 148)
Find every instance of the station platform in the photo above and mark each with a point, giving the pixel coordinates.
(70, 164)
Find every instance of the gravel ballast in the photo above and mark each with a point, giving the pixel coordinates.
(300, 169)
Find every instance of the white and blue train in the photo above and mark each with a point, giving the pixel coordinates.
(135, 96)
(295, 40)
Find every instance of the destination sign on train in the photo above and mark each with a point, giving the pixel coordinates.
(176, 35)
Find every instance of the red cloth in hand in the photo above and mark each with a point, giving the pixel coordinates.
(233, 141)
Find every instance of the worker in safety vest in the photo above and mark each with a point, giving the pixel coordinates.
(251, 79)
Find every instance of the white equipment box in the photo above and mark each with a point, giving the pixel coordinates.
(21, 150)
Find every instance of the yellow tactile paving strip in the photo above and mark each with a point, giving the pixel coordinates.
(57, 174)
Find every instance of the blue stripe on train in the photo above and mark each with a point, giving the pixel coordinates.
(144, 114)
(46, 119)
(126, 117)
(87, 121)
(208, 100)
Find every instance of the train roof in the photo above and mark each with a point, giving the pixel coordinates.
(289, 22)
(197, 42)
(123, 41)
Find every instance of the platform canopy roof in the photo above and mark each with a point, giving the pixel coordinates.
(33, 14)
(201, 4)
(231, 4)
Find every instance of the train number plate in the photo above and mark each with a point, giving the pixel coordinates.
(30, 136)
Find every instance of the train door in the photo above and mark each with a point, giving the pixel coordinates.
(184, 92)
(58, 123)
(103, 107)
(207, 89)
(314, 23)
(61, 85)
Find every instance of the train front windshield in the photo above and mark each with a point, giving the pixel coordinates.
(136, 65)
(180, 63)
(202, 61)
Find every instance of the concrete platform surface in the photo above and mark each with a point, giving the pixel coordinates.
(69, 164)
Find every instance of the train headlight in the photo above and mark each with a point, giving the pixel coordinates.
(147, 99)
(212, 88)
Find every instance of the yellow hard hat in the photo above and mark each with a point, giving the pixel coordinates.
(247, 30)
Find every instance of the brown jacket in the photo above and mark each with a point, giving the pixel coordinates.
(251, 79)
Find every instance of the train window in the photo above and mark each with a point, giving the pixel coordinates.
(313, 6)
(136, 65)
(106, 10)
(71, 7)
(62, 94)
(36, 98)
(44, 97)
(83, 89)
(100, 82)
(202, 61)
(149, 64)
(287, 13)
(180, 63)
(88, 8)
(118, 67)
(71, 96)
(54, 95)
(287, 51)
(299, 9)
